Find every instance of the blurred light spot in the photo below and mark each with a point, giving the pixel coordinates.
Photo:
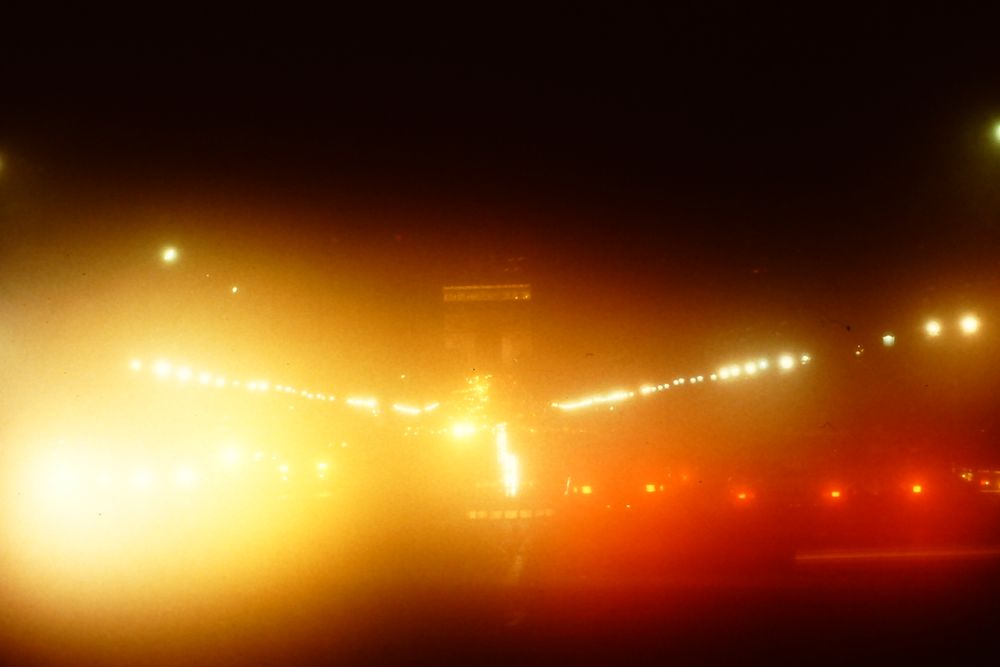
(586, 489)
(462, 430)
(650, 488)
(184, 374)
(235, 289)
(185, 477)
(142, 479)
(888, 340)
(161, 368)
(969, 324)
(169, 254)
(786, 361)
(918, 488)
(933, 328)
(135, 365)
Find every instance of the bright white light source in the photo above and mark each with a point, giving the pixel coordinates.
(933, 328)
(786, 362)
(462, 430)
(888, 340)
(230, 456)
(185, 477)
(750, 368)
(169, 254)
(724, 373)
(142, 479)
(762, 364)
(235, 289)
(969, 324)
(805, 358)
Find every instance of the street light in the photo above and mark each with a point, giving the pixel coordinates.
(969, 324)
(933, 328)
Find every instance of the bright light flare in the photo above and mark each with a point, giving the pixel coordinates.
(888, 340)
(786, 362)
(162, 368)
(932, 328)
(185, 477)
(462, 430)
(917, 488)
(135, 365)
(969, 324)
(835, 494)
(169, 254)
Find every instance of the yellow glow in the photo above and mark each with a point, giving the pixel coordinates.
(835, 494)
(235, 289)
(750, 368)
(734, 371)
(969, 324)
(204, 378)
(786, 362)
(713, 377)
(184, 374)
(220, 382)
(462, 430)
(162, 368)
(135, 364)
(586, 489)
(650, 488)
(142, 479)
(185, 477)
(230, 456)
(169, 254)
(763, 364)
(406, 409)
(933, 328)
(805, 358)
(917, 488)
(369, 403)
(724, 373)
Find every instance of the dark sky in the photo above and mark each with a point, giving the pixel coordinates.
(735, 177)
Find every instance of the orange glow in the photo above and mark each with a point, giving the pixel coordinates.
(650, 488)
(918, 488)
(586, 489)
(835, 494)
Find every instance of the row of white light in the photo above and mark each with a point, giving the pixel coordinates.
(785, 362)
(164, 370)
(64, 478)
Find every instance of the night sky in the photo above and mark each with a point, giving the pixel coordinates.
(680, 184)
